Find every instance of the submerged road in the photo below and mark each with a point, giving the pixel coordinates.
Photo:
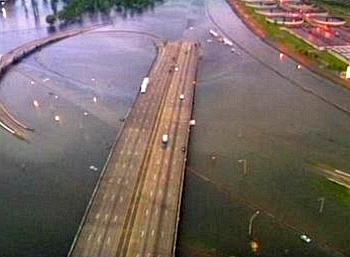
(134, 209)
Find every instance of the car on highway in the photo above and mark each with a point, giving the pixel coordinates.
(165, 139)
(305, 238)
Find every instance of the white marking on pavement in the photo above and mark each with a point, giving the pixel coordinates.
(160, 192)
(129, 152)
(119, 180)
(151, 193)
(108, 240)
(110, 180)
(166, 212)
(97, 216)
(146, 212)
(99, 238)
(115, 218)
(153, 232)
(124, 165)
(154, 176)
(156, 210)
(89, 238)
(113, 197)
(106, 217)
(121, 199)
(142, 233)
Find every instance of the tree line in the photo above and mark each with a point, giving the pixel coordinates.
(74, 9)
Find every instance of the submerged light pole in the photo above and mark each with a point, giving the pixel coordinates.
(251, 222)
(244, 161)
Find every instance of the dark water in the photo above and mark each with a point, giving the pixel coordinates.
(249, 105)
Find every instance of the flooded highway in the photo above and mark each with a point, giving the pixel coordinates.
(249, 105)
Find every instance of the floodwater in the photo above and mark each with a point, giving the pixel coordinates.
(250, 105)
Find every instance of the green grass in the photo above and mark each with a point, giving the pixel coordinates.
(338, 192)
(296, 45)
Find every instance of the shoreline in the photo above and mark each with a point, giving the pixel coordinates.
(236, 7)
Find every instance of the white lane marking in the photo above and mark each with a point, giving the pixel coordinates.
(99, 238)
(115, 218)
(124, 165)
(156, 210)
(97, 216)
(121, 152)
(113, 197)
(146, 212)
(153, 232)
(106, 217)
(129, 152)
(166, 212)
(108, 240)
(158, 161)
(143, 130)
(149, 255)
(151, 193)
(142, 233)
(119, 180)
(138, 255)
(136, 153)
(121, 199)
(110, 180)
(154, 176)
(89, 238)
(160, 192)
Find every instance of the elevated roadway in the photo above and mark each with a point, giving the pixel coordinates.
(134, 209)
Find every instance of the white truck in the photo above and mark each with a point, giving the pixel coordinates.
(144, 85)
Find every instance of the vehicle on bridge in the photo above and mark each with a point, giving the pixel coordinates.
(165, 139)
(144, 85)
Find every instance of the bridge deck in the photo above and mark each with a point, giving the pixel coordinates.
(135, 206)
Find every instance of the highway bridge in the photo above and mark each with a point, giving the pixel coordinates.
(134, 209)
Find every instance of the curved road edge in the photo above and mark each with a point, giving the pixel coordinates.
(16, 55)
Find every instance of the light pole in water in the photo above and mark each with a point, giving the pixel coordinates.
(251, 222)
(244, 161)
(321, 199)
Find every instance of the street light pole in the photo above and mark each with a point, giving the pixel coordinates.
(244, 161)
(251, 222)
(322, 204)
